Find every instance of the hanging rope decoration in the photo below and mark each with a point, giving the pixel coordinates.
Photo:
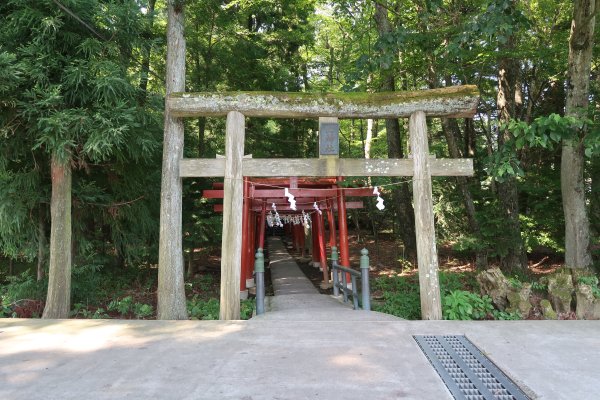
(290, 199)
(276, 219)
(379, 204)
(305, 220)
(316, 207)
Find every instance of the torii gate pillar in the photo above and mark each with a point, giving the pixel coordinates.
(431, 306)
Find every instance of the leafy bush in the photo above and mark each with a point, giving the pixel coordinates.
(515, 282)
(400, 296)
(592, 281)
(87, 283)
(80, 309)
(21, 287)
(506, 316)
(463, 305)
(203, 309)
(142, 311)
(539, 286)
(247, 308)
(122, 306)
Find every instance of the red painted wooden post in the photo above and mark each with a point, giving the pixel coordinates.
(251, 250)
(245, 235)
(294, 233)
(343, 228)
(322, 252)
(263, 218)
(315, 238)
(331, 220)
(302, 238)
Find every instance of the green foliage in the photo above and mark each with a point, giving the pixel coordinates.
(463, 305)
(81, 310)
(539, 286)
(199, 308)
(22, 287)
(549, 131)
(142, 311)
(592, 281)
(122, 306)
(247, 308)
(203, 309)
(400, 296)
(515, 282)
(506, 316)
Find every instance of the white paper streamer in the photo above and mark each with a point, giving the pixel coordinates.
(379, 204)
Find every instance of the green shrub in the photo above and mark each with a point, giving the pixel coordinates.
(463, 305)
(122, 306)
(505, 315)
(80, 309)
(592, 281)
(142, 311)
(203, 309)
(400, 296)
(21, 287)
(247, 308)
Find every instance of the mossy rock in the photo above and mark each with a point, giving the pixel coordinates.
(493, 283)
(561, 290)
(547, 310)
(588, 306)
(518, 300)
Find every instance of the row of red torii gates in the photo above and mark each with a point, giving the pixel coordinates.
(260, 194)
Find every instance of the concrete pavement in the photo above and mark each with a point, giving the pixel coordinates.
(276, 359)
(307, 347)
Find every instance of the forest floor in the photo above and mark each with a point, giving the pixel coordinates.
(131, 293)
(457, 272)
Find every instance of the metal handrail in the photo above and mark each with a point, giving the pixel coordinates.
(336, 269)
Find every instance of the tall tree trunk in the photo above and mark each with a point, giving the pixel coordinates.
(595, 196)
(41, 244)
(450, 128)
(507, 190)
(577, 226)
(171, 290)
(401, 192)
(58, 299)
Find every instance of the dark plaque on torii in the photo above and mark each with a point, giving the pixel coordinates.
(329, 137)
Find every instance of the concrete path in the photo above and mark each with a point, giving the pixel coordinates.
(270, 359)
(308, 347)
(297, 299)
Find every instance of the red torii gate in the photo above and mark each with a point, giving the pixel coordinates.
(259, 196)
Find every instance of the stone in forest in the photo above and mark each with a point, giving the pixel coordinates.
(518, 300)
(547, 310)
(560, 291)
(493, 283)
(588, 306)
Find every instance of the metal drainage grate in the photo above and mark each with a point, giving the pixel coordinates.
(466, 372)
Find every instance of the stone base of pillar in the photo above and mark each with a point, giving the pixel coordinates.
(243, 294)
(326, 285)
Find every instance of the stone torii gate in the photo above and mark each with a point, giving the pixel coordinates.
(460, 101)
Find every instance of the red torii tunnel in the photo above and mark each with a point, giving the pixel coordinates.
(259, 196)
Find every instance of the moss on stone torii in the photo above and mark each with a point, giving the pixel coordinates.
(455, 101)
